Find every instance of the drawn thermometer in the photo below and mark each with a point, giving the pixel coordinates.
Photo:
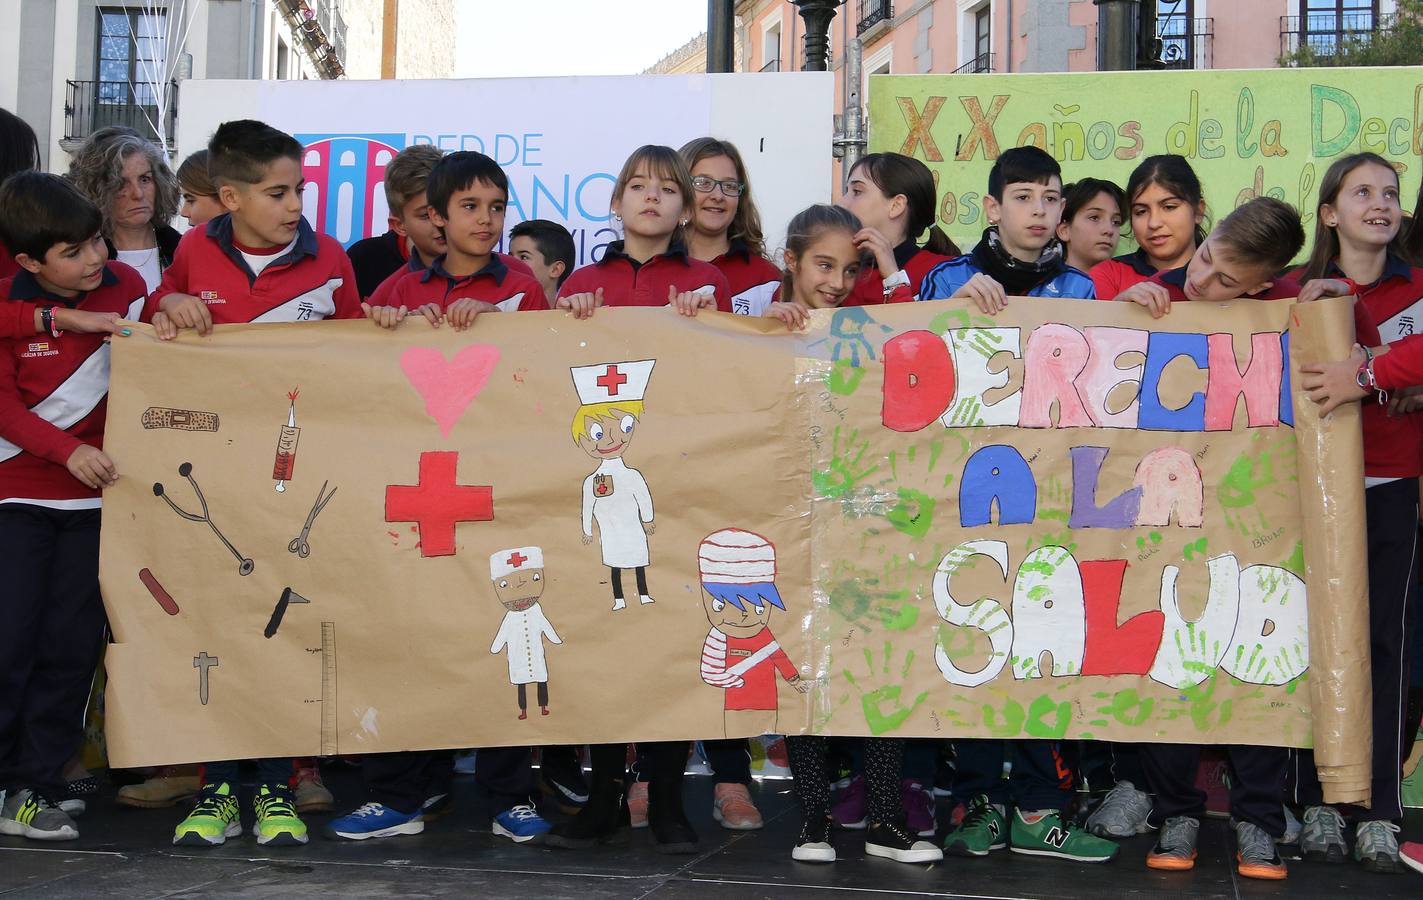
(285, 465)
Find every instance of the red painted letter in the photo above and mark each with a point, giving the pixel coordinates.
(918, 380)
(1112, 649)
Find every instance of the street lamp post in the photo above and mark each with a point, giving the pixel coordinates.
(817, 15)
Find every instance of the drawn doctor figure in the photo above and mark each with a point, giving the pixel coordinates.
(740, 654)
(518, 577)
(615, 495)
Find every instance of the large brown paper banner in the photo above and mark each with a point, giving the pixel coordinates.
(1066, 521)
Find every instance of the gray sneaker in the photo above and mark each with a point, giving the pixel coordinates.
(35, 816)
(1322, 838)
(1122, 813)
(1293, 828)
(1376, 847)
(1175, 850)
(1256, 855)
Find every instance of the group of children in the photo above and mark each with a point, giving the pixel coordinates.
(692, 240)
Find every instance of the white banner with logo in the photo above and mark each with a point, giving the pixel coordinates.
(561, 140)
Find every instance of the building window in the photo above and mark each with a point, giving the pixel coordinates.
(771, 49)
(983, 32)
(130, 56)
(1325, 24)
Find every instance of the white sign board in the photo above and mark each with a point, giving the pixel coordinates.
(560, 140)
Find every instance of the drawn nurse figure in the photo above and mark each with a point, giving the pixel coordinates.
(615, 496)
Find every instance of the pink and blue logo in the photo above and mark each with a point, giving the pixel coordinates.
(345, 182)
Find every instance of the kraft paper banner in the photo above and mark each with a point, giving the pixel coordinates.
(1069, 521)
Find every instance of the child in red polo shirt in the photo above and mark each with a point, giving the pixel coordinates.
(1356, 252)
(53, 399)
(259, 262)
(653, 199)
(1167, 207)
(414, 240)
(468, 193)
(726, 227)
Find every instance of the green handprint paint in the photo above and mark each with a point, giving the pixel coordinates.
(914, 514)
(1042, 706)
(843, 378)
(844, 471)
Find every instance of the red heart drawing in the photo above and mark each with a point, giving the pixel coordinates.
(448, 388)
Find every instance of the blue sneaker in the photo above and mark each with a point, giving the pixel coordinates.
(520, 824)
(374, 821)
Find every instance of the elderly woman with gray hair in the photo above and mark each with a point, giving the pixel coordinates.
(130, 181)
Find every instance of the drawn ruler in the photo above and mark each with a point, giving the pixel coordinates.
(329, 742)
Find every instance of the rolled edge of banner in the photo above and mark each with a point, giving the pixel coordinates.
(1331, 452)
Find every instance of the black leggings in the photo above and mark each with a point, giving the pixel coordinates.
(641, 572)
(810, 782)
(524, 695)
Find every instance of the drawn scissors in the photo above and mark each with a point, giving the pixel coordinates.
(299, 544)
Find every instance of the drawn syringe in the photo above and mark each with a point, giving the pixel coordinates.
(285, 464)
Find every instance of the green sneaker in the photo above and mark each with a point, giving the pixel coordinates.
(983, 830)
(277, 823)
(1051, 836)
(213, 820)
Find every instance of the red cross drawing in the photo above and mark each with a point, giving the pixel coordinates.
(437, 503)
(517, 559)
(611, 380)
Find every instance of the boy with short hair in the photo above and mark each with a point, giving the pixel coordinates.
(53, 400)
(468, 193)
(1238, 260)
(1019, 255)
(258, 262)
(412, 239)
(547, 248)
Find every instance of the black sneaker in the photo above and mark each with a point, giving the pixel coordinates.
(561, 780)
(813, 844)
(891, 840)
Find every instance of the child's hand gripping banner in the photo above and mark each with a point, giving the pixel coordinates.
(1068, 521)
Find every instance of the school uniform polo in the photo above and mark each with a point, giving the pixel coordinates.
(914, 262)
(54, 391)
(496, 283)
(309, 279)
(1393, 445)
(627, 282)
(752, 279)
(1112, 276)
(381, 295)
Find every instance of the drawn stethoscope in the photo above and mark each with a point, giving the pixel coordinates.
(245, 565)
(299, 544)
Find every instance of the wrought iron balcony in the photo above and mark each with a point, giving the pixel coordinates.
(982, 64)
(1186, 43)
(91, 105)
(874, 13)
(1325, 32)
